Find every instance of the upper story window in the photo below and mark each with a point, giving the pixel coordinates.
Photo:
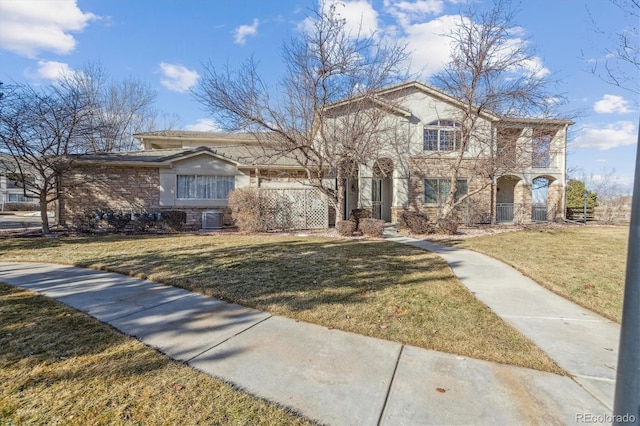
(15, 181)
(541, 149)
(507, 144)
(441, 135)
(204, 187)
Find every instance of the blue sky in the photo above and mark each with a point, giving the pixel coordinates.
(165, 43)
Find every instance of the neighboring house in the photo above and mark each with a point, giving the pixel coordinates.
(12, 194)
(515, 169)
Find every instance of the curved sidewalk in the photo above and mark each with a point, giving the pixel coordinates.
(328, 375)
(578, 340)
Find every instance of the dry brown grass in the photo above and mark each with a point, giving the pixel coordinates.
(585, 264)
(58, 366)
(374, 288)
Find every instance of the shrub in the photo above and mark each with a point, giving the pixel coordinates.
(141, 222)
(247, 209)
(447, 226)
(415, 221)
(372, 227)
(255, 210)
(117, 220)
(87, 221)
(346, 228)
(357, 214)
(174, 220)
(21, 207)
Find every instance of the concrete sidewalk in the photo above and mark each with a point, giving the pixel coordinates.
(578, 340)
(328, 375)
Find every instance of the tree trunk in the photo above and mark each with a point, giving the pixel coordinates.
(44, 217)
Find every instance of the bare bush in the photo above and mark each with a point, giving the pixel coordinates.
(415, 221)
(174, 220)
(346, 228)
(372, 227)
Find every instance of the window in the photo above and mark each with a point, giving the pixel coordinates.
(507, 145)
(541, 149)
(437, 190)
(15, 181)
(204, 187)
(441, 135)
(20, 198)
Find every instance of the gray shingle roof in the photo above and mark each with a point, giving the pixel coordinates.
(243, 155)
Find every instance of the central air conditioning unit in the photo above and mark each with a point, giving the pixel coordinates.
(212, 219)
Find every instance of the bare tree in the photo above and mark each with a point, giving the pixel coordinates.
(82, 112)
(622, 63)
(495, 77)
(38, 131)
(118, 108)
(303, 119)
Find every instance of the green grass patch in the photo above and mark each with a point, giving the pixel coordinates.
(59, 366)
(375, 288)
(583, 264)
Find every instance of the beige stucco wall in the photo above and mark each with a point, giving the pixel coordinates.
(203, 164)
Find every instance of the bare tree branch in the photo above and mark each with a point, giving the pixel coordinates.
(305, 120)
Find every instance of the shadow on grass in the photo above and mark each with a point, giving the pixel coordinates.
(297, 274)
(38, 334)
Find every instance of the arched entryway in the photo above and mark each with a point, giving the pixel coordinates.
(539, 198)
(382, 189)
(506, 195)
(546, 198)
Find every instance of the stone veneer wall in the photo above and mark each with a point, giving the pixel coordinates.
(103, 187)
(476, 210)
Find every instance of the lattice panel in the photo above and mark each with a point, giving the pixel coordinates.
(297, 208)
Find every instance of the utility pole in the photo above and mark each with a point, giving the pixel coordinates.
(626, 407)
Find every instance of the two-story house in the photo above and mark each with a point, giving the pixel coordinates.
(512, 169)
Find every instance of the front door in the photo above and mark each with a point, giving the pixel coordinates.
(376, 198)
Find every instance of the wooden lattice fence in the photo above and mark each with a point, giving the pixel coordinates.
(297, 208)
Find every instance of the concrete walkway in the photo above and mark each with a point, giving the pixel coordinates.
(328, 375)
(578, 340)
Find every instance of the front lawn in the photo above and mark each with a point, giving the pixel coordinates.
(59, 366)
(374, 288)
(585, 264)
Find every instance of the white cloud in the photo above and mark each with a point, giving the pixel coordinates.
(52, 70)
(360, 16)
(361, 19)
(244, 31)
(612, 135)
(429, 45)
(203, 125)
(610, 104)
(30, 26)
(178, 78)
(407, 12)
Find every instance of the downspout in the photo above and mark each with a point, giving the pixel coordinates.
(58, 199)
